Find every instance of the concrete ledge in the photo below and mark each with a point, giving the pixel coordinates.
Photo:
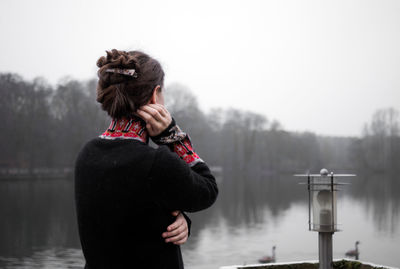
(341, 263)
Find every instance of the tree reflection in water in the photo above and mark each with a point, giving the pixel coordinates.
(38, 216)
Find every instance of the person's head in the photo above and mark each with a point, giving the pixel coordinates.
(121, 95)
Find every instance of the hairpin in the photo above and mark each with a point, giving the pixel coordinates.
(126, 72)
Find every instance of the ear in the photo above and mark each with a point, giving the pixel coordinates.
(153, 99)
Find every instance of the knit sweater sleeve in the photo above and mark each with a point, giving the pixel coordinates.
(178, 142)
(177, 186)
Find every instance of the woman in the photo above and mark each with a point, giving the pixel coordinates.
(129, 196)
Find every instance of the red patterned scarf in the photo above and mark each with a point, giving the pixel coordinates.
(127, 129)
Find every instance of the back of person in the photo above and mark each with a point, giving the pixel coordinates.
(120, 221)
(125, 190)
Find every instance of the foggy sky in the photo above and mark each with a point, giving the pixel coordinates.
(322, 66)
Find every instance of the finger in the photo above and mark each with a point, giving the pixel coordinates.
(175, 213)
(175, 238)
(147, 117)
(166, 118)
(181, 242)
(163, 112)
(174, 227)
(176, 224)
(164, 109)
(151, 123)
(179, 230)
(159, 108)
(152, 111)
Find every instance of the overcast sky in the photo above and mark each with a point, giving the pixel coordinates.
(321, 66)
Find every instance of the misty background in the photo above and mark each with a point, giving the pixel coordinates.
(266, 89)
(320, 66)
(252, 157)
(46, 126)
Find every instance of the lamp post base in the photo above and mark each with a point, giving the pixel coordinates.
(325, 250)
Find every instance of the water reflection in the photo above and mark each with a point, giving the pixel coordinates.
(36, 213)
(379, 193)
(52, 258)
(38, 225)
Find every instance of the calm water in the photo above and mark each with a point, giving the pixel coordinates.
(38, 229)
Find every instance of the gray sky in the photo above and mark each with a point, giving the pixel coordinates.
(321, 66)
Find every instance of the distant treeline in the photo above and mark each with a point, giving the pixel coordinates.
(44, 126)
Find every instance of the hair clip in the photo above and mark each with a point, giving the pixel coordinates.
(126, 72)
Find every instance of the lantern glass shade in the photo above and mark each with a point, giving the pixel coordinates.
(323, 205)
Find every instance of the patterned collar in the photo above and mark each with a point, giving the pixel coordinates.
(133, 128)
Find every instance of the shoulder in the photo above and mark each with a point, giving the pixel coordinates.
(169, 165)
(86, 149)
(103, 150)
(165, 159)
(117, 144)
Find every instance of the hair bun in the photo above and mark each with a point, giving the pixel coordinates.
(115, 59)
(101, 61)
(120, 94)
(118, 59)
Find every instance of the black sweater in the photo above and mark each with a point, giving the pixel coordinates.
(125, 192)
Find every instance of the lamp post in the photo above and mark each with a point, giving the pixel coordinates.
(322, 212)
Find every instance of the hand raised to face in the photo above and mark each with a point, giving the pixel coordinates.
(156, 116)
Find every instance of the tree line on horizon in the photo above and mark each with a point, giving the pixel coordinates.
(45, 126)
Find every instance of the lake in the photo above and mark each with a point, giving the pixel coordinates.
(38, 226)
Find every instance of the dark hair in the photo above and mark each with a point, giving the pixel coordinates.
(121, 95)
